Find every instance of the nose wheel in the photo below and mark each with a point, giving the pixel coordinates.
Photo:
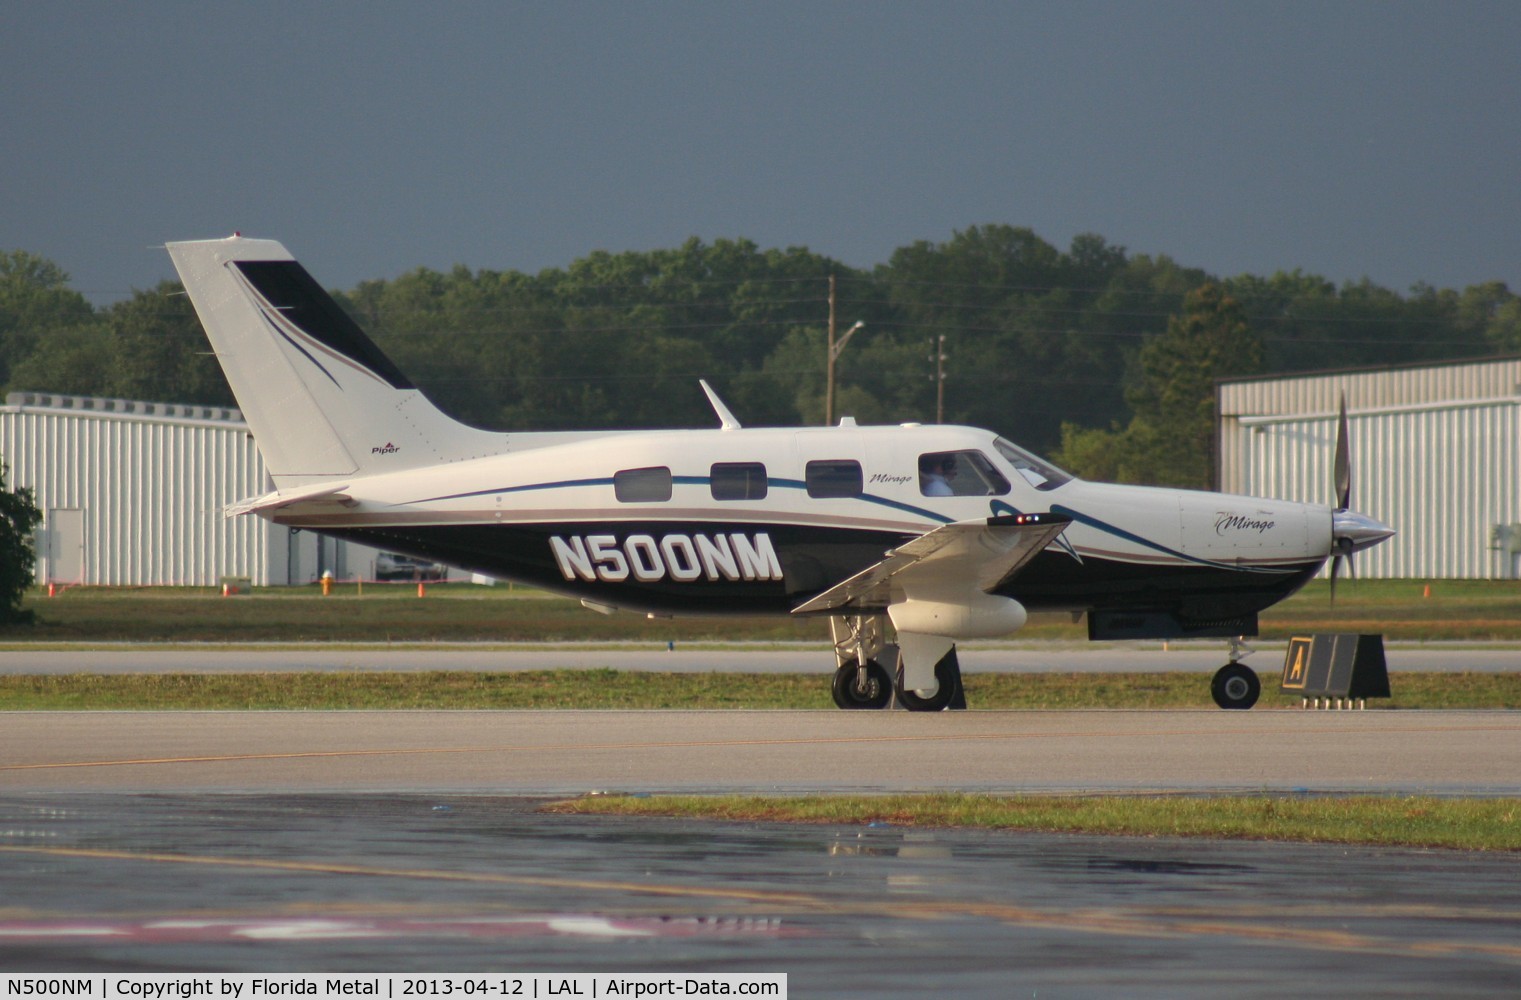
(1235, 686)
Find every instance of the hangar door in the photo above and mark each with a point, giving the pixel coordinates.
(66, 545)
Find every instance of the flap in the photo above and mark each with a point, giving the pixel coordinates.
(983, 553)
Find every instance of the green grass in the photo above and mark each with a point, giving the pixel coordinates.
(1412, 610)
(1477, 610)
(1467, 824)
(385, 613)
(613, 689)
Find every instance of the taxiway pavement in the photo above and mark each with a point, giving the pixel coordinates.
(520, 752)
(367, 883)
(413, 884)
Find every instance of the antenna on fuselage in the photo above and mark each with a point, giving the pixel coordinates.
(726, 419)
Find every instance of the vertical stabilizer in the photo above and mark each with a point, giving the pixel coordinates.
(322, 401)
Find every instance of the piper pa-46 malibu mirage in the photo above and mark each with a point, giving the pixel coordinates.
(948, 533)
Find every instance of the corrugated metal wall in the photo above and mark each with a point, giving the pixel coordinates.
(1406, 386)
(1436, 454)
(151, 480)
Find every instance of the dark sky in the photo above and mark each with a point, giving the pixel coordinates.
(1351, 140)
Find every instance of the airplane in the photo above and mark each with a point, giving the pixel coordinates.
(907, 538)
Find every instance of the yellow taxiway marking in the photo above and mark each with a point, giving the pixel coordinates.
(1120, 922)
(697, 744)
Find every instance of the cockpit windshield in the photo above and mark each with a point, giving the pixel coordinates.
(1036, 471)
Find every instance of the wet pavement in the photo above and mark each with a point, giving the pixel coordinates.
(406, 882)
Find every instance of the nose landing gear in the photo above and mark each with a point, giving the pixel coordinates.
(1235, 685)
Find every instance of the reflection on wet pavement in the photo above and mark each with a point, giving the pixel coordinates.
(246, 883)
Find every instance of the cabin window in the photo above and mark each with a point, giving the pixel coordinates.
(1035, 470)
(738, 481)
(960, 474)
(834, 478)
(642, 485)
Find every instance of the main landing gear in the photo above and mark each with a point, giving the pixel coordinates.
(862, 678)
(947, 692)
(1236, 685)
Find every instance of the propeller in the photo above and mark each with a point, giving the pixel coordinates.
(1341, 546)
(1350, 530)
(1343, 470)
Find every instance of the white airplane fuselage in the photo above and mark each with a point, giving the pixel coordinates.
(549, 514)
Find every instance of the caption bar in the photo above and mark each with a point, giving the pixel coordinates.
(396, 986)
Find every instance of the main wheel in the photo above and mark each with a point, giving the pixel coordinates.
(1235, 686)
(851, 692)
(937, 700)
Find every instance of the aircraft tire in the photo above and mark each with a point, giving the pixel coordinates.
(940, 700)
(1235, 686)
(879, 687)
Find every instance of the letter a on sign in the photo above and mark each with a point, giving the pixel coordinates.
(1295, 662)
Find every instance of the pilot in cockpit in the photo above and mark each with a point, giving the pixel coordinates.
(935, 475)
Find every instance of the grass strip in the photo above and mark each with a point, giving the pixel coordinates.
(1466, 824)
(602, 688)
(1412, 610)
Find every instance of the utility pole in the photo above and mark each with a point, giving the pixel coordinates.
(833, 353)
(829, 364)
(939, 360)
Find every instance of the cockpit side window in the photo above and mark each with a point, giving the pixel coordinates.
(1035, 470)
(960, 474)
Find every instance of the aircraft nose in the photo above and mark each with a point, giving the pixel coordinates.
(1353, 532)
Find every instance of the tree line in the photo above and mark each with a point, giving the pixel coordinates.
(1102, 359)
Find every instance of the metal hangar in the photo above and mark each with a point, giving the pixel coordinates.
(1436, 454)
(132, 494)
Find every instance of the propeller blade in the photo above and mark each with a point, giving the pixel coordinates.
(1341, 552)
(1343, 468)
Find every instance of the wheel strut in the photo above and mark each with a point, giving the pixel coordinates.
(860, 680)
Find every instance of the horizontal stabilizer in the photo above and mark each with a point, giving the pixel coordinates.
(279, 501)
(983, 554)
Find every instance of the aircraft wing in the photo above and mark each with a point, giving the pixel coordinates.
(984, 552)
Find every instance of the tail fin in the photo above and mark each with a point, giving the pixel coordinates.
(322, 400)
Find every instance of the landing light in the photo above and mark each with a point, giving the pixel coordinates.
(1023, 520)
